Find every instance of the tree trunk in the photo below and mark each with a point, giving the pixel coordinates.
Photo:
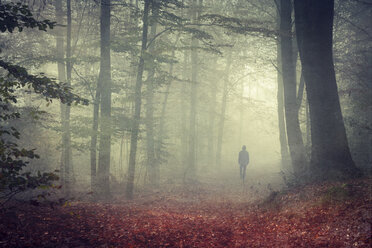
(66, 128)
(193, 98)
(308, 139)
(223, 111)
(152, 163)
(138, 100)
(183, 109)
(294, 135)
(211, 120)
(281, 120)
(280, 97)
(164, 108)
(93, 142)
(330, 150)
(60, 53)
(103, 178)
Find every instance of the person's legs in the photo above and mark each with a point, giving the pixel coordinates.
(241, 171)
(244, 169)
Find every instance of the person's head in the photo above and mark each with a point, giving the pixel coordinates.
(244, 147)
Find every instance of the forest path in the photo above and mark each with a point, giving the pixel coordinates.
(326, 215)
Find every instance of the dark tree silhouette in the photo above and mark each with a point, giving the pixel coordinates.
(330, 150)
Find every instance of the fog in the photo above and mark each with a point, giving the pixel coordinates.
(175, 89)
(185, 123)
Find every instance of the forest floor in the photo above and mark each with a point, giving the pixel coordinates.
(201, 215)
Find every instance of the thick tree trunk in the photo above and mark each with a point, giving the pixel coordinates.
(138, 101)
(103, 176)
(294, 135)
(330, 150)
(221, 124)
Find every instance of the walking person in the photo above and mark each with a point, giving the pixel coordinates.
(243, 161)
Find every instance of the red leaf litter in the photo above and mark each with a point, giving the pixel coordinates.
(197, 216)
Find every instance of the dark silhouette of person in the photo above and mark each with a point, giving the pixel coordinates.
(243, 161)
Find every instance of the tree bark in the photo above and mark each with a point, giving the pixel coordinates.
(137, 107)
(294, 135)
(330, 150)
(103, 178)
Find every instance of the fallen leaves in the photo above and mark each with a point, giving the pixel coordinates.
(171, 221)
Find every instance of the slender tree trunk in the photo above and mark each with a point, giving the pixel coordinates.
(183, 118)
(221, 124)
(211, 120)
(300, 92)
(164, 108)
(183, 109)
(103, 178)
(138, 100)
(280, 97)
(330, 150)
(193, 99)
(308, 139)
(60, 53)
(295, 143)
(152, 163)
(93, 142)
(281, 120)
(66, 128)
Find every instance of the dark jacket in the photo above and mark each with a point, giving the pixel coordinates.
(243, 157)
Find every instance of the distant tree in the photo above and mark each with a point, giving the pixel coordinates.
(221, 124)
(330, 154)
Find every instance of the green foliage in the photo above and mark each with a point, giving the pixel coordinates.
(13, 159)
(40, 84)
(18, 16)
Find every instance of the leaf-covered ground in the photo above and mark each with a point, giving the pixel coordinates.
(327, 215)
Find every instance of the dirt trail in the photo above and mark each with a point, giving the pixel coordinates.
(201, 215)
